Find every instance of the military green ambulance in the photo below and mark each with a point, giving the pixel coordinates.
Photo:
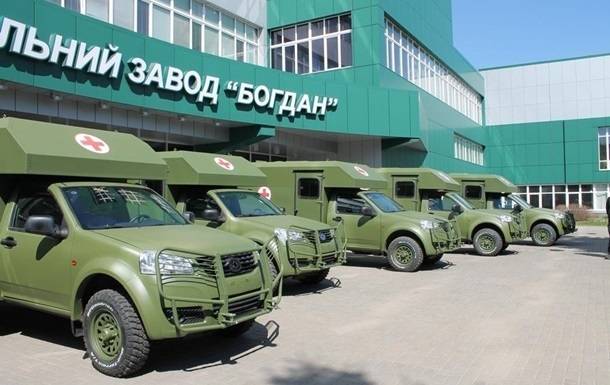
(338, 192)
(436, 193)
(228, 193)
(496, 192)
(116, 259)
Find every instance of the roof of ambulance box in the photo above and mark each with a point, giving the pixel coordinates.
(38, 148)
(427, 178)
(336, 174)
(198, 168)
(493, 183)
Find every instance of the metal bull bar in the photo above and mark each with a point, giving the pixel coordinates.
(317, 256)
(450, 238)
(214, 275)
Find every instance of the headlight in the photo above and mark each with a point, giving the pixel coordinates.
(559, 215)
(505, 218)
(284, 235)
(428, 225)
(168, 264)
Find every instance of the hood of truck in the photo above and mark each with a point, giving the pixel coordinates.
(496, 212)
(273, 222)
(544, 211)
(192, 239)
(414, 217)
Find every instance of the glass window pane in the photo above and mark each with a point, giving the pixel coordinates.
(332, 25)
(123, 14)
(211, 40)
(196, 36)
(240, 50)
(276, 58)
(276, 37)
(240, 28)
(396, 56)
(289, 34)
(317, 55)
(534, 189)
(603, 154)
(346, 50)
(332, 48)
(405, 64)
(303, 58)
(143, 17)
(573, 188)
(603, 165)
(251, 53)
(161, 23)
(181, 31)
(573, 199)
(535, 200)
(98, 9)
(560, 188)
(586, 187)
(317, 28)
(346, 22)
(289, 59)
(251, 33)
(303, 31)
(587, 200)
(73, 5)
(228, 23)
(228, 46)
(182, 5)
(197, 10)
(560, 199)
(547, 201)
(547, 188)
(212, 16)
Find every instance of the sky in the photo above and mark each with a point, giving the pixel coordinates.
(492, 33)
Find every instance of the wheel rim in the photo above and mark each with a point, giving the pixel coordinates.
(487, 243)
(105, 335)
(404, 254)
(542, 236)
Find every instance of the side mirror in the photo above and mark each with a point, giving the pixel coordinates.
(457, 209)
(212, 215)
(44, 225)
(518, 209)
(189, 216)
(367, 211)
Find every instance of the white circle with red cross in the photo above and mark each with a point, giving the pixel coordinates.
(222, 162)
(361, 171)
(265, 192)
(92, 143)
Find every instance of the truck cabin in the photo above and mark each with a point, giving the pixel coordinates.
(487, 191)
(198, 182)
(309, 189)
(35, 155)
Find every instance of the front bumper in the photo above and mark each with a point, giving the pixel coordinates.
(446, 238)
(187, 313)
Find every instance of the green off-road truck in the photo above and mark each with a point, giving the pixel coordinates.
(338, 192)
(434, 192)
(229, 193)
(545, 226)
(116, 259)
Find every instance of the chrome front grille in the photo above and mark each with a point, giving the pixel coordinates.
(237, 264)
(323, 236)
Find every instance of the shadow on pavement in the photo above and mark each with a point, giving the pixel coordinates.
(210, 350)
(309, 374)
(294, 288)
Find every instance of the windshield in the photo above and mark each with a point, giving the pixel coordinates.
(520, 201)
(248, 204)
(384, 202)
(461, 201)
(110, 207)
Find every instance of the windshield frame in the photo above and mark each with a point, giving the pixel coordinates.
(367, 195)
(169, 209)
(217, 195)
(457, 198)
(523, 203)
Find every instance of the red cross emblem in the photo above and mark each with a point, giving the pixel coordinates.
(361, 171)
(265, 192)
(222, 162)
(92, 143)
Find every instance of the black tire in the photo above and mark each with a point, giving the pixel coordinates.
(237, 330)
(505, 246)
(487, 242)
(127, 355)
(543, 235)
(313, 278)
(405, 254)
(430, 261)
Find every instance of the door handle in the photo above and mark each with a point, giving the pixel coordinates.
(8, 242)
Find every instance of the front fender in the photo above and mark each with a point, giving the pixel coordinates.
(422, 236)
(493, 223)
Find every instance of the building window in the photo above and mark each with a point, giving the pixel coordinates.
(467, 150)
(189, 23)
(409, 59)
(603, 139)
(315, 46)
(587, 196)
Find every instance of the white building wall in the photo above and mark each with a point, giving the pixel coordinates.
(562, 90)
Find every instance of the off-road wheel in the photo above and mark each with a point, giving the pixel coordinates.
(487, 242)
(543, 235)
(405, 254)
(237, 330)
(114, 336)
(314, 277)
(430, 261)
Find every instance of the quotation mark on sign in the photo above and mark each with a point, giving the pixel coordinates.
(232, 86)
(332, 102)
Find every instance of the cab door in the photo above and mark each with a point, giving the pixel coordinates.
(404, 191)
(474, 192)
(38, 267)
(308, 199)
(362, 232)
